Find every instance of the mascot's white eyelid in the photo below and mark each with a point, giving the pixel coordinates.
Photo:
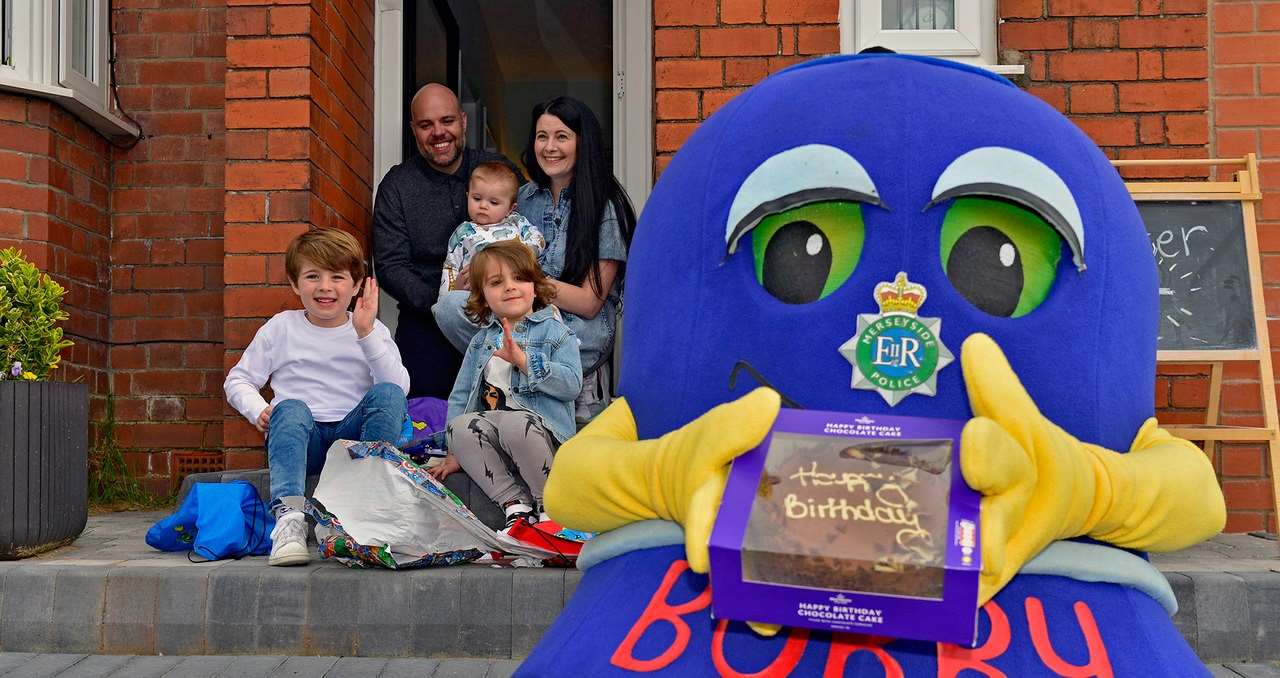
(1016, 176)
(794, 177)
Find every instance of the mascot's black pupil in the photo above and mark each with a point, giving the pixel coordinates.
(797, 261)
(984, 266)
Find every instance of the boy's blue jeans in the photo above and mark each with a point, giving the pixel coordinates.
(297, 443)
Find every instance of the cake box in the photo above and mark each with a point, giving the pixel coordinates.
(851, 522)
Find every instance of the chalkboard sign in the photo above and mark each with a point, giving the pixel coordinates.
(1203, 262)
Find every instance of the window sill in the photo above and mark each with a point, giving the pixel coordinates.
(96, 116)
(1005, 69)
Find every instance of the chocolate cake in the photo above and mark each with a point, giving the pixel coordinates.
(851, 515)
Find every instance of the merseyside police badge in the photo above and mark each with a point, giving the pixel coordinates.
(896, 352)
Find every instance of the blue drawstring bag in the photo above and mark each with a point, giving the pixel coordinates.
(215, 521)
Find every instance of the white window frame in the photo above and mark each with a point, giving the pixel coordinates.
(92, 85)
(972, 41)
(42, 63)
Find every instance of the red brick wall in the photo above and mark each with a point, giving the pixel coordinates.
(166, 249)
(1133, 74)
(1245, 104)
(299, 155)
(706, 52)
(53, 206)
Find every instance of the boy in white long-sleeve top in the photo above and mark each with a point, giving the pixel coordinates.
(335, 375)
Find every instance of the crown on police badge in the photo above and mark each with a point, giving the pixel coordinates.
(900, 296)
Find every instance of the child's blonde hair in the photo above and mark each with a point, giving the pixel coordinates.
(328, 248)
(497, 173)
(523, 264)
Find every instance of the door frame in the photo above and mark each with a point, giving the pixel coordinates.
(632, 87)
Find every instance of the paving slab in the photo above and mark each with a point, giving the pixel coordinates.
(455, 668)
(200, 667)
(27, 624)
(281, 620)
(486, 611)
(409, 668)
(385, 617)
(78, 603)
(1271, 670)
(357, 667)
(300, 667)
(146, 667)
(9, 660)
(437, 594)
(95, 666)
(333, 596)
(251, 665)
(128, 619)
(1222, 606)
(181, 607)
(232, 611)
(44, 666)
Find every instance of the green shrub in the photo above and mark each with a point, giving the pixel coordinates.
(30, 310)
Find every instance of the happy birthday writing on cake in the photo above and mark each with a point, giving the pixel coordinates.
(888, 504)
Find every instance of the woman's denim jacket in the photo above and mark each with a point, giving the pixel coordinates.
(555, 371)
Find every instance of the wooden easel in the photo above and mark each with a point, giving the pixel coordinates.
(1245, 189)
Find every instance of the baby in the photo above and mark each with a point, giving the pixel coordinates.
(491, 203)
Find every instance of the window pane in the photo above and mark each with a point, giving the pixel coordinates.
(81, 30)
(917, 15)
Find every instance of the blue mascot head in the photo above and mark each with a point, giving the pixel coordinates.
(890, 186)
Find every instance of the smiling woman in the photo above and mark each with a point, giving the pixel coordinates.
(588, 221)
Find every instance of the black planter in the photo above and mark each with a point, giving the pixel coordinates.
(44, 465)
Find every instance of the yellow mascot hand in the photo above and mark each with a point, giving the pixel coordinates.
(1040, 484)
(604, 478)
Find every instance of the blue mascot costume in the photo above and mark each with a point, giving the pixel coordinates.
(762, 245)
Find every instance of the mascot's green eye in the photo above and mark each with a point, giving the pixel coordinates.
(805, 253)
(1002, 257)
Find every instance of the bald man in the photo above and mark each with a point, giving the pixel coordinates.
(419, 203)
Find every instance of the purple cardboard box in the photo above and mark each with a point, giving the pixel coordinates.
(851, 522)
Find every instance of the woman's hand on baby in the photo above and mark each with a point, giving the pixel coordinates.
(510, 351)
(463, 281)
(366, 308)
(445, 468)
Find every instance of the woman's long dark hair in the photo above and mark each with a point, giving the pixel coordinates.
(593, 186)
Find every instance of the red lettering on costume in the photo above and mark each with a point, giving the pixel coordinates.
(952, 659)
(658, 610)
(1098, 665)
(845, 644)
(780, 667)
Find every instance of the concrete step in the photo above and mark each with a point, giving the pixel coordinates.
(1228, 591)
(109, 593)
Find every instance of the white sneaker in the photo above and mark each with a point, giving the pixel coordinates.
(289, 540)
(515, 511)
